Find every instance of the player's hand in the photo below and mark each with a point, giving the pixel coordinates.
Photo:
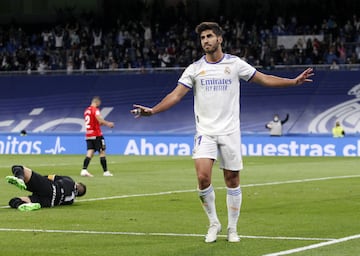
(110, 124)
(140, 110)
(304, 76)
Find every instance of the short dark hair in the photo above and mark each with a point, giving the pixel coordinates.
(96, 98)
(81, 189)
(207, 25)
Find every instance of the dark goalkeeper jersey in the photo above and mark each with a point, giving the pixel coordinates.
(51, 190)
(65, 190)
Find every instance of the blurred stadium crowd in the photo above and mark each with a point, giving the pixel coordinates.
(82, 43)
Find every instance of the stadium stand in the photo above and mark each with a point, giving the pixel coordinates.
(83, 42)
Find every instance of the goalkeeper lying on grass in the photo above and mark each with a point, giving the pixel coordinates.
(47, 191)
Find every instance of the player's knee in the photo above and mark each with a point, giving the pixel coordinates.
(203, 177)
(204, 181)
(15, 202)
(232, 183)
(17, 167)
(232, 178)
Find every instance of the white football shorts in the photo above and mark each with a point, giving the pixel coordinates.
(227, 147)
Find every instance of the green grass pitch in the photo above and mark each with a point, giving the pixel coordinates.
(150, 207)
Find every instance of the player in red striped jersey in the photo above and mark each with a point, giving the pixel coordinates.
(94, 137)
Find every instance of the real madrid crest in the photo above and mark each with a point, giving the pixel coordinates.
(227, 70)
(347, 113)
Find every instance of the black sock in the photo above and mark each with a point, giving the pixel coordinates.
(18, 171)
(103, 163)
(16, 202)
(86, 162)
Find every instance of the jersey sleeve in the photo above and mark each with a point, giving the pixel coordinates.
(245, 70)
(97, 112)
(187, 77)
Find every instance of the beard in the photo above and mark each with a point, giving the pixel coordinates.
(211, 49)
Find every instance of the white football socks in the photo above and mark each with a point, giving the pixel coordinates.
(207, 197)
(233, 201)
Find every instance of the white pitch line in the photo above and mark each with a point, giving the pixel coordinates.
(300, 181)
(328, 240)
(217, 188)
(153, 234)
(314, 246)
(137, 195)
(288, 238)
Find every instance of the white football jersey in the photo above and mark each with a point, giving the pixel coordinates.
(216, 88)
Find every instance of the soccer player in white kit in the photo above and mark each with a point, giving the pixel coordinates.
(214, 80)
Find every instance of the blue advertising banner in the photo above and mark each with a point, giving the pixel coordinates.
(178, 145)
(56, 103)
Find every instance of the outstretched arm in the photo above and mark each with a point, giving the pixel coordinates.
(285, 120)
(170, 100)
(276, 81)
